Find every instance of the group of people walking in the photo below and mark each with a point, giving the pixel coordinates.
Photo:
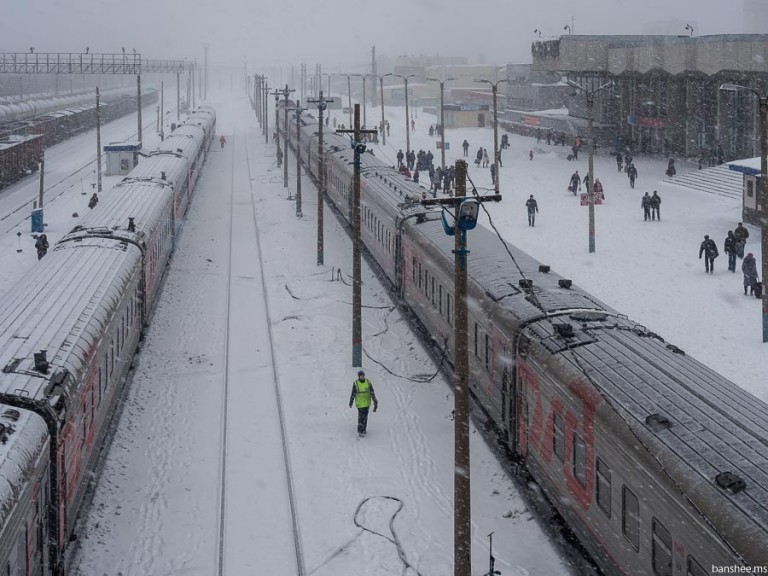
(651, 206)
(733, 245)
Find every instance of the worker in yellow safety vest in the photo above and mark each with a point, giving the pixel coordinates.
(362, 395)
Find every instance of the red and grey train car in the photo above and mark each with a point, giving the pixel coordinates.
(69, 329)
(658, 464)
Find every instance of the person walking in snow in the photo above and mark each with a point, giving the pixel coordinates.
(362, 396)
(532, 207)
(645, 204)
(575, 184)
(655, 206)
(749, 269)
(41, 245)
(619, 160)
(486, 161)
(222, 140)
(479, 156)
(741, 234)
(632, 173)
(465, 145)
(493, 174)
(93, 201)
(709, 249)
(671, 170)
(729, 247)
(400, 157)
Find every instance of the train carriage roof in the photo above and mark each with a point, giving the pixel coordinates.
(145, 201)
(174, 165)
(697, 423)
(62, 306)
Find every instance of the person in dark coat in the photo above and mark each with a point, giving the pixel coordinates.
(575, 184)
(465, 145)
(93, 201)
(655, 206)
(479, 156)
(729, 247)
(632, 173)
(493, 174)
(709, 249)
(619, 160)
(532, 207)
(597, 190)
(645, 204)
(41, 245)
(749, 269)
(741, 234)
(400, 157)
(671, 171)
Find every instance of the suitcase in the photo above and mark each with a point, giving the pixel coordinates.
(570, 157)
(758, 289)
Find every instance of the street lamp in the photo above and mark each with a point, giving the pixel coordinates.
(496, 151)
(407, 115)
(763, 204)
(363, 77)
(590, 94)
(442, 118)
(383, 127)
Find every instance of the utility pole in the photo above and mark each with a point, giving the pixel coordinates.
(265, 111)
(286, 91)
(138, 103)
(383, 122)
(442, 118)
(41, 193)
(321, 103)
(374, 75)
(464, 218)
(276, 94)
(205, 85)
(98, 141)
(496, 151)
(349, 97)
(590, 94)
(357, 312)
(162, 112)
(298, 160)
(407, 114)
(178, 97)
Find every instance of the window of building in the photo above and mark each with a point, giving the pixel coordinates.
(630, 521)
(579, 459)
(603, 486)
(661, 550)
(558, 437)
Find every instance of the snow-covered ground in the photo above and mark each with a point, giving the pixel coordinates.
(159, 501)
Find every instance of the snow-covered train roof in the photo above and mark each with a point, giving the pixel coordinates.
(23, 444)
(185, 144)
(62, 306)
(143, 201)
(696, 422)
(175, 167)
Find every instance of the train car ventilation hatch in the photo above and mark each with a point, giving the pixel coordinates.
(589, 316)
(657, 422)
(12, 414)
(731, 482)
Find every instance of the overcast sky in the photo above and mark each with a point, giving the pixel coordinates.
(340, 33)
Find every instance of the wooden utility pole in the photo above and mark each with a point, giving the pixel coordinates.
(162, 112)
(321, 103)
(265, 110)
(357, 312)
(462, 529)
(298, 160)
(98, 141)
(286, 91)
(178, 97)
(138, 100)
(42, 182)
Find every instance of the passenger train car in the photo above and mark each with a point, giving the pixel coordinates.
(658, 464)
(68, 332)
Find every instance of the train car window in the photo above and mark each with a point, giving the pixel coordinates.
(440, 299)
(579, 459)
(420, 277)
(414, 270)
(488, 350)
(477, 341)
(433, 290)
(426, 283)
(449, 308)
(695, 569)
(558, 437)
(21, 553)
(630, 522)
(661, 549)
(603, 486)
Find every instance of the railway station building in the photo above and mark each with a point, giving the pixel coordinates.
(666, 97)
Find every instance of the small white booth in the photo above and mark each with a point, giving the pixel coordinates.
(122, 157)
